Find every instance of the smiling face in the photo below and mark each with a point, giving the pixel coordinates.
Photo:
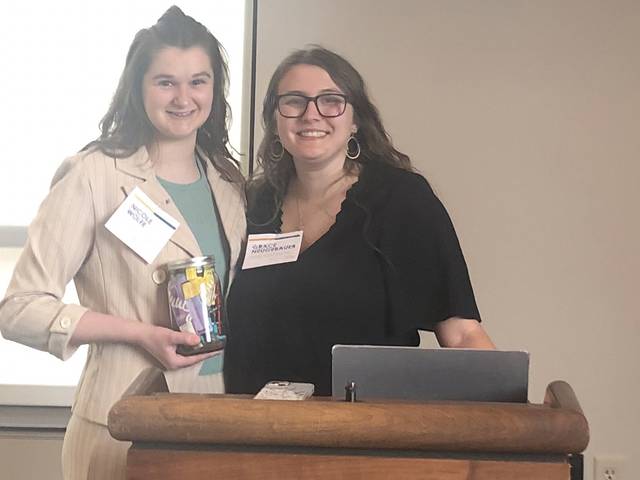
(178, 92)
(312, 140)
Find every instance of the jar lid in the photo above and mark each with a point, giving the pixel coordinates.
(203, 261)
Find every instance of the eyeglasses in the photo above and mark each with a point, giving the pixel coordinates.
(293, 105)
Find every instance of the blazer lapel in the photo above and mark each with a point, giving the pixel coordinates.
(141, 174)
(231, 207)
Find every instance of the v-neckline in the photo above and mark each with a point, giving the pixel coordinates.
(349, 193)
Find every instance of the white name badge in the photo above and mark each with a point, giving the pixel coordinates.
(271, 249)
(142, 225)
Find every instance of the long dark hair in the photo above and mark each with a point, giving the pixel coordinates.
(375, 142)
(126, 126)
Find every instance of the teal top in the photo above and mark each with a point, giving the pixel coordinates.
(197, 205)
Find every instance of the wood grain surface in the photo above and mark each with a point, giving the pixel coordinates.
(556, 427)
(172, 465)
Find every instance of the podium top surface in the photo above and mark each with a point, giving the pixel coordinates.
(556, 427)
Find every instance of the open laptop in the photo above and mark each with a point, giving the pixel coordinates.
(414, 373)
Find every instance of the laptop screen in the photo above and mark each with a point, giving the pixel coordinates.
(414, 373)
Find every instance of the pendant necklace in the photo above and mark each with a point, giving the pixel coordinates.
(319, 206)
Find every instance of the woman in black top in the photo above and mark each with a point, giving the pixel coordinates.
(379, 259)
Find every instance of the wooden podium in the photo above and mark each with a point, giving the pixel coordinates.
(191, 436)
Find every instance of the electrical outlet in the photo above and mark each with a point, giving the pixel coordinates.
(609, 467)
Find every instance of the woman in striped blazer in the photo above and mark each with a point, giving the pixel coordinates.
(165, 133)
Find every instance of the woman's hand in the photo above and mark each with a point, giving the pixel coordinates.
(162, 342)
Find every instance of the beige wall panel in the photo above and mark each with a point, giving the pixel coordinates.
(30, 455)
(525, 117)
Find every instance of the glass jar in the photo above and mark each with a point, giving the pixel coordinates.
(195, 303)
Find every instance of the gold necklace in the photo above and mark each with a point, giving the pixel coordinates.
(321, 206)
(300, 218)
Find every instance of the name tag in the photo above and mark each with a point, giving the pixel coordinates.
(271, 249)
(141, 225)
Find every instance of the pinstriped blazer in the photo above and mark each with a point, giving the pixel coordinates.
(68, 240)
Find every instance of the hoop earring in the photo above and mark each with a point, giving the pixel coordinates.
(351, 154)
(277, 150)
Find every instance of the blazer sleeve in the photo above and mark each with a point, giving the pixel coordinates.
(426, 273)
(59, 240)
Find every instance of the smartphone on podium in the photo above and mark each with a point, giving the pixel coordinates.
(285, 390)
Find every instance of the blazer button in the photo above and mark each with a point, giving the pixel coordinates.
(65, 322)
(159, 276)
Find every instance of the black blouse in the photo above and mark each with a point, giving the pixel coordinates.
(389, 266)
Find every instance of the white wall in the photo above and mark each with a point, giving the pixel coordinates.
(525, 116)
